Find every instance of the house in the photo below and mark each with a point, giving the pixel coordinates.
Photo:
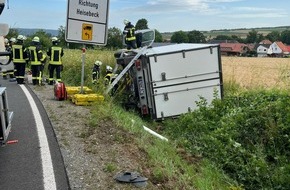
(234, 49)
(266, 42)
(278, 49)
(263, 50)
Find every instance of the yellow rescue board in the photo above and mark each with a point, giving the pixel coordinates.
(86, 99)
(72, 90)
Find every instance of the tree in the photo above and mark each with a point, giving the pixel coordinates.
(61, 36)
(158, 36)
(45, 39)
(179, 37)
(273, 36)
(252, 37)
(238, 39)
(114, 38)
(260, 38)
(285, 37)
(141, 24)
(13, 33)
(196, 37)
(223, 37)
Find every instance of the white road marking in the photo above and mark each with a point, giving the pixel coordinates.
(47, 167)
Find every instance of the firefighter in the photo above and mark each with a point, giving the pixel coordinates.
(7, 45)
(55, 53)
(130, 38)
(4, 73)
(20, 58)
(9, 72)
(110, 77)
(96, 71)
(37, 60)
(12, 41)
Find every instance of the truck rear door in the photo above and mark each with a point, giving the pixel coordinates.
(180, 74)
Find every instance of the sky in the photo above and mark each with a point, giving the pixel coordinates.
(163, 15)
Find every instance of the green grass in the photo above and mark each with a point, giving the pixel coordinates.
(239, 142)
(167, 165)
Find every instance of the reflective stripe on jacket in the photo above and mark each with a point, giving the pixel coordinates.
(18, 54)
(130, 32)
(56, 54)
(35, 55)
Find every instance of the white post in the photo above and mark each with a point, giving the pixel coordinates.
(154, 133)
(83, 69)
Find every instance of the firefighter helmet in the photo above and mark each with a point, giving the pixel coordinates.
(54, 39)
(109, 69)
(20, 37)
(35, 39)
(12, 40)
(126, 21)
(6, 41)
(98, 63)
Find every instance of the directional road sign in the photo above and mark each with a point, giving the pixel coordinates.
(87, 21)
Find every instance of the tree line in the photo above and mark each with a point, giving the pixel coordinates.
(115, 35)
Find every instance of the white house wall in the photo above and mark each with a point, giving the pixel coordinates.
(275, 48)
(262, 51)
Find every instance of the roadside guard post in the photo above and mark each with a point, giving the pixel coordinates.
(87, 23)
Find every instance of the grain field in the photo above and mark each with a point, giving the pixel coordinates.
(253, 72)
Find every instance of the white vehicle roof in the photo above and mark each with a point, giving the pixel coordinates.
(176, 48)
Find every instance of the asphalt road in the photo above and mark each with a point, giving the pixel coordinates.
(33, 163)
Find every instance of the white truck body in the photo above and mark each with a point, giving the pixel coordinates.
(169, 80)
(176, 76)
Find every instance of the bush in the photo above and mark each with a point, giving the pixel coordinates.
(247, 136)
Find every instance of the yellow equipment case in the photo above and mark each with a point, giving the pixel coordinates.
(86, 99)
(72, 90)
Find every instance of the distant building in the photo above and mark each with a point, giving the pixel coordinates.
(234, 49)
(263, 50)
(278, 49)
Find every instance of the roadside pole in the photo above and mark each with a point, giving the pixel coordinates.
(83, 69)
(87, 23)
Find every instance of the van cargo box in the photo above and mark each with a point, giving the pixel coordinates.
(178, 75)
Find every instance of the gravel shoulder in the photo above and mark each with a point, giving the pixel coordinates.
(93, 156)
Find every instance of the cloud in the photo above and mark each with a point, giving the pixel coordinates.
(147, 7)
(257, 12)
(222, 1)
(259, 15)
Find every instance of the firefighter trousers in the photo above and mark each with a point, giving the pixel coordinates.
(19, 72)
(57, 69)
(36, 71)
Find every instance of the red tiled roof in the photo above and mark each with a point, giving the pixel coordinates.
(282, 46)
(232, 47)
(266, 42)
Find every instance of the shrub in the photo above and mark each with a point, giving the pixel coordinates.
(247, 136)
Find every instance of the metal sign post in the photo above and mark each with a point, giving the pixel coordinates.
(87, 23)
(83, 69)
